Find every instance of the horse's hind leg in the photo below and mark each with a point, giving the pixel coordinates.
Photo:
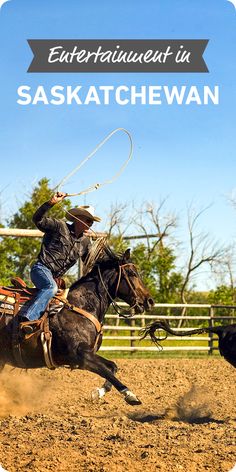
(99, 392)
(95, 363)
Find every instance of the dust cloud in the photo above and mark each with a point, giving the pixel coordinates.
(195, 406)
(20, 392)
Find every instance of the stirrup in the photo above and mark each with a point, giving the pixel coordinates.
(26, 327)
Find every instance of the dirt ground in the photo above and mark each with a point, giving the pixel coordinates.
(187, 420)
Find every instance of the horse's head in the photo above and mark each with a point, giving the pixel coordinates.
(130, 287)
(119, 278)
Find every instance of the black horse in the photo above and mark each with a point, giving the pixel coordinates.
(75, 338)
(226, 334)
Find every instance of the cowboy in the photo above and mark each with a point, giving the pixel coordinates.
(63, 244)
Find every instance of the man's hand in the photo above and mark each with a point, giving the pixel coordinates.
(58, 197)
(88, 233)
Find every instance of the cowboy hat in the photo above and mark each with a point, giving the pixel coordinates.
(80, 211)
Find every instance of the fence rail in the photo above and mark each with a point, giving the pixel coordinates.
(123, 335)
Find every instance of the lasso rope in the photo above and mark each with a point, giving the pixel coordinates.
(100, 243)
(94, 253)
(86, 159)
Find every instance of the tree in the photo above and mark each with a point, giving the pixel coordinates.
(225, 275)
(22, 252)
(155, 256)
(159, 259)
(222, 295)
(225, 292)
(202, 251)
(7, 269)
(158, 271)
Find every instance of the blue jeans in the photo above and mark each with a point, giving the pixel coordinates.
(43, 280)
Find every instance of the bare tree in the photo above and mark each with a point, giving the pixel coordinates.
(228, 263)
(202, 251)
(225, 271)
(116, 219)
(157, 225)
(153, 223)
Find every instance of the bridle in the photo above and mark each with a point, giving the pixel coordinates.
(122, 272)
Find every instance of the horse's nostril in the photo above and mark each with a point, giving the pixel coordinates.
(151, 301)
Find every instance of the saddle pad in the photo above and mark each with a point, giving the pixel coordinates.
(7, 299)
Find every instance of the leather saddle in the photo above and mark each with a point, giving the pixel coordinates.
(20, 284)
(14, 296)
(11, 300)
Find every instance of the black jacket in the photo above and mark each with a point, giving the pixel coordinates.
(60, 248)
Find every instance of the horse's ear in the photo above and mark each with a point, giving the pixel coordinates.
(126, 256)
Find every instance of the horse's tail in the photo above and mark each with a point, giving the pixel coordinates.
(164, 325)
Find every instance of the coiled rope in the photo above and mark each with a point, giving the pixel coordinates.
(87, 158)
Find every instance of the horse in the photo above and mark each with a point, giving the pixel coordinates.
(226, 335)
(74, 338)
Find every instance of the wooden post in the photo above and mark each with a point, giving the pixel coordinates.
(143, 320)
(210, 325)
(132, 333)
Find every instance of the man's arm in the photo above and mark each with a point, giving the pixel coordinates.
(40, 220)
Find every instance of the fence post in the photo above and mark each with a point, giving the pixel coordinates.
(132, 332)
(143, 320)
(210, 325)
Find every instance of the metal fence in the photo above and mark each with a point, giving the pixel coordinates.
(123, 335)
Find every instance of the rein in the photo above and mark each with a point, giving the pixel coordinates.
(117, 308)
(82, 312)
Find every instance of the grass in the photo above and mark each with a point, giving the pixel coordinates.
(158, 354)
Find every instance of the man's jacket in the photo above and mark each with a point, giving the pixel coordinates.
(60, 247)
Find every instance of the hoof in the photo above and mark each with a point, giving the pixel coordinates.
(97, 394)
(131, 399)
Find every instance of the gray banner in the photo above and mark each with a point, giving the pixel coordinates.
(96, 55)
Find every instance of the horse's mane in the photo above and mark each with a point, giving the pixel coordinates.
(99, 254)
(109, 254)
(99, 251)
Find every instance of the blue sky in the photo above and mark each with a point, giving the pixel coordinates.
(185, 153)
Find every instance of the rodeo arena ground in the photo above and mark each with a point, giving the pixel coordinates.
(170, 407)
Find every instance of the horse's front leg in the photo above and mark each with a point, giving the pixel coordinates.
(99, 392)
(95, 363)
